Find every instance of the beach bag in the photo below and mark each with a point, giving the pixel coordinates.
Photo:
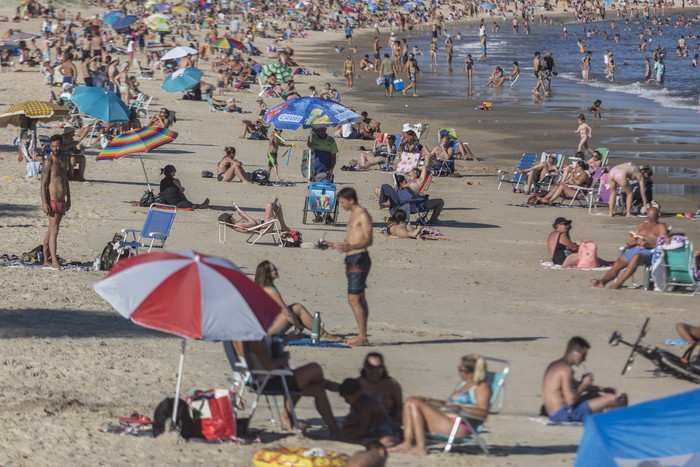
(213, 413)
(380, 81)
(587, 255)
(292, 238)
(398, 84)
(183, 420)
(260, 176)
(147, 199)
(112, 253)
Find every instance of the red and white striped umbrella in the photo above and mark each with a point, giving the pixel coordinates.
(189, 294)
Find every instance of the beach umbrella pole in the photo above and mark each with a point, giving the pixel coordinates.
(179, 378)
(143, 166)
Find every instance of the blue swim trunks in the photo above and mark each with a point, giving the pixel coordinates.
(645, 252)
(568, 413)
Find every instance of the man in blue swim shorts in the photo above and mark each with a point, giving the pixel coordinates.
(568, 400)
(639, 249)
(357, 261)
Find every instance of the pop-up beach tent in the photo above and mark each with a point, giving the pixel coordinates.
(661, 432)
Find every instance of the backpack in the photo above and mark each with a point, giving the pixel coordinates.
(112, 253)
(588, 255)
(260, 176)
(292, 238)
(147, 199)
(183, 419)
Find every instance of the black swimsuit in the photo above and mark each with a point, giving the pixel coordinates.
(560, 252)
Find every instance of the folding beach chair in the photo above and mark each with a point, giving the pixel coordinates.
(514, 177)
(551, 178)
(213, 107)
(155, 230)
(603, 197)
(405, 201)
(497, 380)
(407, 162)
(267, 89)
(584, 193)
(257, 380)
(678, 267)
(604, 154)
(142, 73)
(391, 158)
(33, 166)
(141, 105)
(271, 228)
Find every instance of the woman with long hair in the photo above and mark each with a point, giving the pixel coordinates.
(375, 380)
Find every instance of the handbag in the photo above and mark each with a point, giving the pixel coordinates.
(213, 413)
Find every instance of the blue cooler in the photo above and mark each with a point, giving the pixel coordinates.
(398, 84)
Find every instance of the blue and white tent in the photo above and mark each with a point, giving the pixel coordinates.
(660, 432)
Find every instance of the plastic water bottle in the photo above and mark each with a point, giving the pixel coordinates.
(316, 328)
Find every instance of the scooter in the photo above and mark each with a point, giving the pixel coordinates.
(686, 366)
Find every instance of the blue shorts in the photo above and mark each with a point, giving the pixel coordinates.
(645, 252)
(388, 81)
(357, 268)
(568, 413)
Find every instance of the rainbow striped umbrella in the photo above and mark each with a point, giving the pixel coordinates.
(227, 44)
(156, 47)
(137, 141)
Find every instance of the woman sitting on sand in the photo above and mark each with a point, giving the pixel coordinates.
(172, 192)
(229, 167)
(295, 314)
(375, 380)
(422, 414)
(272, 211)
(562, 250)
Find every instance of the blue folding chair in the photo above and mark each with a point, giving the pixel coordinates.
(527, 161)
(404, 200)
(155, 230)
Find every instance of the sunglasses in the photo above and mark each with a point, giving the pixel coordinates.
(374, 367)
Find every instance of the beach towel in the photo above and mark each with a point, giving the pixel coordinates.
(9, 261)
(547, 422)
(306, 342)
(549, 265)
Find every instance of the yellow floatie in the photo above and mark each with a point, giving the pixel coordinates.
(298, 457)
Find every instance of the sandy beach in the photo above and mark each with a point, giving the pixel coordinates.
(71, 364)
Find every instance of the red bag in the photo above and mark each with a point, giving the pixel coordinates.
(212, 412)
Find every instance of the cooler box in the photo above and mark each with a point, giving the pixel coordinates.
(321, 197)
(398, 84)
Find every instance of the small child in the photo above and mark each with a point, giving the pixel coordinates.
(312, 91)
(221, 83)
(596, 110)
(367, 417)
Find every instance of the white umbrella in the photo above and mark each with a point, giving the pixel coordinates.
(179, 52)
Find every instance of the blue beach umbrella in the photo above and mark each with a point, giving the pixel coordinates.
(486, 6)
(124, 22)
(309, 112)
(101, 104)
(111, 16)
(182, 80)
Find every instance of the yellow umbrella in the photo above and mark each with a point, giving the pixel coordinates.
(18, 113)
(180, 9)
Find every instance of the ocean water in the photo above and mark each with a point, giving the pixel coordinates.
(657, 115)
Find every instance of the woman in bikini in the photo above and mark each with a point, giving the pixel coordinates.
(620, 176)
(579, 178)
(375, 380)
(468, 69)
(295, 315)
(229, 167)
(421, 414)
(541, 170)
(349, 72)
(273, 211)
(562, 250)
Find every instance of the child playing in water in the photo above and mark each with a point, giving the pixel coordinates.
(584, 132)
(596, 110)
(367, 417)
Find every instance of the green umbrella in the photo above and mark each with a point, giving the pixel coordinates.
(281, 71)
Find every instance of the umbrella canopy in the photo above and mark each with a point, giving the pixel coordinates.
(18, 114)
(180, 9)
(182, 80)
(23, 36)
(309, 112)
(486, 6)
(6, 44)
(179, 52)
(124, 22)
(226, 43)
(163, 7)
(100, 103)
(191, 295)
(281, 71)
(156, 47)
(158, 23)
(660, 432)
(110, 17)
(137, 141)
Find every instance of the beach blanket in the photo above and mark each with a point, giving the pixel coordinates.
(547, 422)
(306, 342)
(550, 265)
(525, 205)
(7, 261)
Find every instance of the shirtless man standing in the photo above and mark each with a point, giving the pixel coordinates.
(55, 198)
(640, 248)
(357, 260)
(68, 70)
(568, 400)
